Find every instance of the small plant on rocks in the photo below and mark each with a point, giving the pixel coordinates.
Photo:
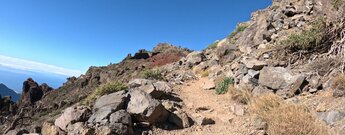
(213, 45)
(104, 90)
(307, 40)
(239, 28)
(153, 74)
(223, 86)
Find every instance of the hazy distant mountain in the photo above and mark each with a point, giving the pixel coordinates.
(14, 78)
(5, 91)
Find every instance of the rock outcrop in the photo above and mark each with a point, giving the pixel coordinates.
(254, 58)
(31, 93)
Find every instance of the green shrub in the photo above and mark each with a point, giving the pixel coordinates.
(213, 45)
(239, 28)
(223, 86)
(309, 39)
(153, 74)
(104, 90)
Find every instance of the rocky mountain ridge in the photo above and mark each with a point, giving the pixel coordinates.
(5, 91)
(279, 73)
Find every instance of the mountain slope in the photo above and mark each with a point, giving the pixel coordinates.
(5, 91)
(280, 73)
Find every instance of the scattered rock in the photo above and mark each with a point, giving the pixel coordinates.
(276, 78)
(201, 120)
(296, 86)
(313, 90)
(338, 93)
(144, 108)
(155, 88)
(208, 85)
(49, 129)
(237, 110)
(180, 76)
(171, 106)
(253, 73)
(260, 90)
(290, 11)
(121, 116)
(121, 122)
(195, 58)
(72, 115)
(180, 119)
(259, 124)
(254, 64)
(104, 130)
(332, 116)
(79, 129)
(106, 105)
(17, 132)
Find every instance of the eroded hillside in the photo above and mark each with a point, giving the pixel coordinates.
(279, 73)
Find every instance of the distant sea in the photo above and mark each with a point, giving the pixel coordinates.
(14, 78)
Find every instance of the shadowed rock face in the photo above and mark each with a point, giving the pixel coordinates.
(32, 93)
(45, 88)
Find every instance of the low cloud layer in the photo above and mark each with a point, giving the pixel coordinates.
(33, 66)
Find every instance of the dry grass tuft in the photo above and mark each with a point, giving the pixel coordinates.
(285, 118)
(242, 96)
(204, 73)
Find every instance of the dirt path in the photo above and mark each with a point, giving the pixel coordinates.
(206, 103)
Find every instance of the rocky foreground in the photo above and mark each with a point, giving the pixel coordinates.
(279, 73)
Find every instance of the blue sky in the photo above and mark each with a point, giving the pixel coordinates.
(71, 35)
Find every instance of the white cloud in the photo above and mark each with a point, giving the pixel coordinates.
(28, 65)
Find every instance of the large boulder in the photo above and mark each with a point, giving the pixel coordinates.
(79, 129)
(73, 115)
(276, 78)
(195, 58)
(106, 105)
(121, 122)
(144, 108)
(49, 129)
(155, 88)
(180, 119)
(254, 64)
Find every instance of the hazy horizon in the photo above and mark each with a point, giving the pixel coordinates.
(14, 78)
(50, 40)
